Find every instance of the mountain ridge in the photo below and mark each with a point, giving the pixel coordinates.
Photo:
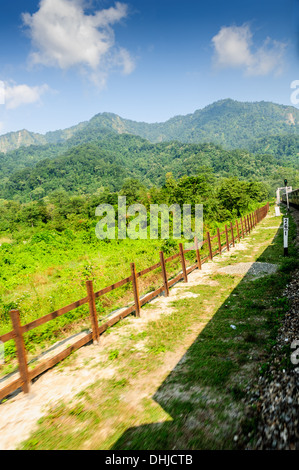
(226, 122)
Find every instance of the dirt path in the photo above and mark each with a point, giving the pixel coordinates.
(19, 414)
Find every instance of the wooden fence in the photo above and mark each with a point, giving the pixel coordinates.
(215, 245)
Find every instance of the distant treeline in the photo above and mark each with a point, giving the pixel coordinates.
(222, 198)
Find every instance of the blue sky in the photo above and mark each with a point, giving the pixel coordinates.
(63, 61)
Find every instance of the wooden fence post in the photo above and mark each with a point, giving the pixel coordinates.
(21, 351)
(164, 274)
(219, 241)
(248, 224)
(226, 236)
(93, 312)
(197, 253)
(183, 261)
(242, 227)
(210, 246)
(136, 290)
(238, 231)
(232, 232)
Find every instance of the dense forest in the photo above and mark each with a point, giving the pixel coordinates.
(223, 199)
(106, 162)
(249, 141)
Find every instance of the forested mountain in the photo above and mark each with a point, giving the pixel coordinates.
(229, 123)
(106, 162)
(15, 140)
(107, 149)
(23, 138)
(24, 157)
(284, 147)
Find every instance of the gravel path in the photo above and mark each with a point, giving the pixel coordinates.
(255, 270)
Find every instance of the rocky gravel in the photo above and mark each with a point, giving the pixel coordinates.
(276, 395)
(253, 270)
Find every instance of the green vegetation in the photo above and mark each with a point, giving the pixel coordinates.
(197, 402)
(86, 168)
(49, 249)
(105, 150)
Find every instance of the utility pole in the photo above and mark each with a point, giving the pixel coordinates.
(285, 236)
(286, 186)
(286, 224)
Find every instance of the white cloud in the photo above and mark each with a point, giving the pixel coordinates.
(124, 58)
(64, 36)
(18, 95)
(233, 47)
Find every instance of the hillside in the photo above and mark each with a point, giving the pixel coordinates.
(229, 123)
(107, 162)
(284, 147)
(107, 149)
(23, 138)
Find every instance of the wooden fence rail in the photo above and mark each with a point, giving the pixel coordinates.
(215, 246)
